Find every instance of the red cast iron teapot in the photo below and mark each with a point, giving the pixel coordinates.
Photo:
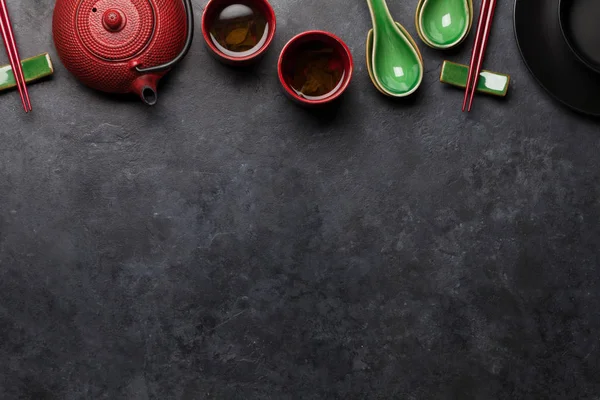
(122, 46)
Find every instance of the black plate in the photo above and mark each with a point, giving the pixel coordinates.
(581, 30)
(550, 59)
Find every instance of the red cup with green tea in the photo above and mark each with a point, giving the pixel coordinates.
(238, 32)
(315, 68)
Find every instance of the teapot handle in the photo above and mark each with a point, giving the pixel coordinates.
(188, 42)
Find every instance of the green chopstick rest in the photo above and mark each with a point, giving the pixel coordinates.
(489, 82)
(34, 69)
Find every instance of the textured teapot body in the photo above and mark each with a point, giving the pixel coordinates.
(112, 45)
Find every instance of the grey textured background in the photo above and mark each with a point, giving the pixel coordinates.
(227, 244)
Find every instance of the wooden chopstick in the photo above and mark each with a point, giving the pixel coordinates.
(486, 35)
(13, 55)
(16, 56)
(12, 62)
(476, 50)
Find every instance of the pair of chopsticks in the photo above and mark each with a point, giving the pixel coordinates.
(481, 38)
(13, 55)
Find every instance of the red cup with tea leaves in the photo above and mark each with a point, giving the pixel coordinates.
(315, 68)
(238, 32)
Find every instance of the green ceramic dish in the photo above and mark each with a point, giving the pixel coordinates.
(34, 69)
(396, 65)
(489, 82)
(370, 49)
(444, 24)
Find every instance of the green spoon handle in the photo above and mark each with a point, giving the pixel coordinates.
(380, 14)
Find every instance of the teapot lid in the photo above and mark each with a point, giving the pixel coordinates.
(115, 30)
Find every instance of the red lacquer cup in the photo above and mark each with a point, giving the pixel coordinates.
(210, 15)
(288, 58)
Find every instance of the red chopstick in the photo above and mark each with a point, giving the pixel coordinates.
(13, 55)
(476, 54)
(17, 69)
(12, 61)
(486, 35)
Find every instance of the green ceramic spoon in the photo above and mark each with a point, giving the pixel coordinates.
(397, 68)
(370, 59)
(443, 24)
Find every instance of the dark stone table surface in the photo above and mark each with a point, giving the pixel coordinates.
(226, 244)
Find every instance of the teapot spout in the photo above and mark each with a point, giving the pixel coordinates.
(145, 87)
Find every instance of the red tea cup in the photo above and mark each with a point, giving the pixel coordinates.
(216, 7)
(288, 59)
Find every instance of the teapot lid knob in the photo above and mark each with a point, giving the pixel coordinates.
(113, 20)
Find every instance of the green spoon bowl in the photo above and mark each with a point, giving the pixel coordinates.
(444, 24)
(369, 47)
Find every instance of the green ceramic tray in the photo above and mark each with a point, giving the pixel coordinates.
(489, 82)
(34, 69)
